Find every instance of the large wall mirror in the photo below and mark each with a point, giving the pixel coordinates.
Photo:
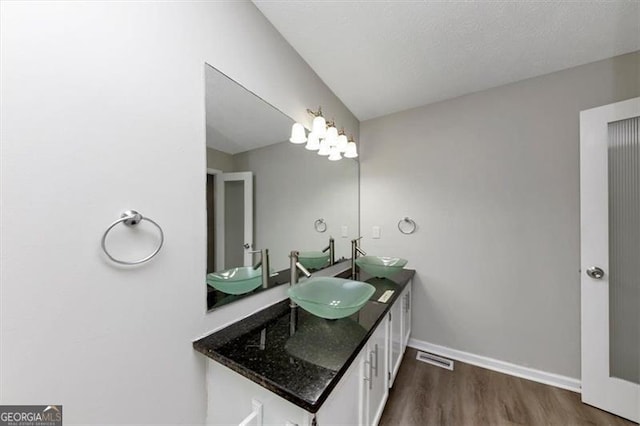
(264, 192)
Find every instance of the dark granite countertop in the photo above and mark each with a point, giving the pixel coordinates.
(295, 354)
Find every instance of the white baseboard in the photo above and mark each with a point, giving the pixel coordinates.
(563, 382)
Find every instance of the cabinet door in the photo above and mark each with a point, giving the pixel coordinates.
(345, 404)
(396, 339)
(378, 383)
(406, 316)
(231, 398)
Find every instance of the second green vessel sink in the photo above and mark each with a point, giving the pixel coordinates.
(381, 267)
(331, 298)
(313, 259)
(238, 280)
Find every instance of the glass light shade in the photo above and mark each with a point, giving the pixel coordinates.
(319, 126)
(332, 136)
(351, 151)
(313, 142)
(334, 154)
(342, 143)
(324, 147)
(297, 134)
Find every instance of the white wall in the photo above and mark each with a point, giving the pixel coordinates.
(492, 179)
(219, 160)
(103, 110)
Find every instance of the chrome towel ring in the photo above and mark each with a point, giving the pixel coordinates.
(320, 225)
(131, 218)
(407, 226)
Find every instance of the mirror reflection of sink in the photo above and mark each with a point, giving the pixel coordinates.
(380, 266)
(240, 280)
(331, 298)
(313, 259)
(325, 343)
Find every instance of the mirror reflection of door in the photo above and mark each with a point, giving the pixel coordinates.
(229, 220)
(211, 224)
(237, 231)
(234, 223)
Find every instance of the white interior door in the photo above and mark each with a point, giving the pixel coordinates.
(234, 219)
(610, 257)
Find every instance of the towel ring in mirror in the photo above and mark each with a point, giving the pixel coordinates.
(407, 226)
(320, 225)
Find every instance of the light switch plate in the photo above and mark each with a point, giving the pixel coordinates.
(344, 230)
(376, 232)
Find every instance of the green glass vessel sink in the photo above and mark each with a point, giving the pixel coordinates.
(313, 259)
(238, 280)
(381, 267)
(331, 298)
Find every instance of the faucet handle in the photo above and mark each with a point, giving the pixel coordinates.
(303, 269)
(356, 239)
(259, 251)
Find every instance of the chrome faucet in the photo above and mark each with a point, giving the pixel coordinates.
(264, 262)
(295, 267)
(355, 250)
(332, 251)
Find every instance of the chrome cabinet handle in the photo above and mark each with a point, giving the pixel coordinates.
(595, 273)
(376, 354)
(368, 379)
(370, 369)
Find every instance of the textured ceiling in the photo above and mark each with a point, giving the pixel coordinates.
(381, 57)
(238, 120)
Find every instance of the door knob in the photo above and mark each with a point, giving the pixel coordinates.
(595, 272)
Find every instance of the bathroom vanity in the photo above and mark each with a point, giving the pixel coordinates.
(283, 365)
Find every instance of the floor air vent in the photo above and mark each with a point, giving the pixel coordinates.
(436, 360)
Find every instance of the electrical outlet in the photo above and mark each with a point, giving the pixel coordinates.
(376, 232)
(344, 231)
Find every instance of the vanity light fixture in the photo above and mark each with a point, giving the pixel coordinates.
(334, 154)
(313, 142)
(324, 148)
(324, 138)
(342, 141)
(332, 134)
(319, 126)
(351, 151)
(297, 134)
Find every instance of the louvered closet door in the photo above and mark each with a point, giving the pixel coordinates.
(610, 257)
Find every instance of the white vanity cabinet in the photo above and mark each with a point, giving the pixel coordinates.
(405, 299)
(400, 331)
(396, 340)
(375, 375)
(358, 398)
